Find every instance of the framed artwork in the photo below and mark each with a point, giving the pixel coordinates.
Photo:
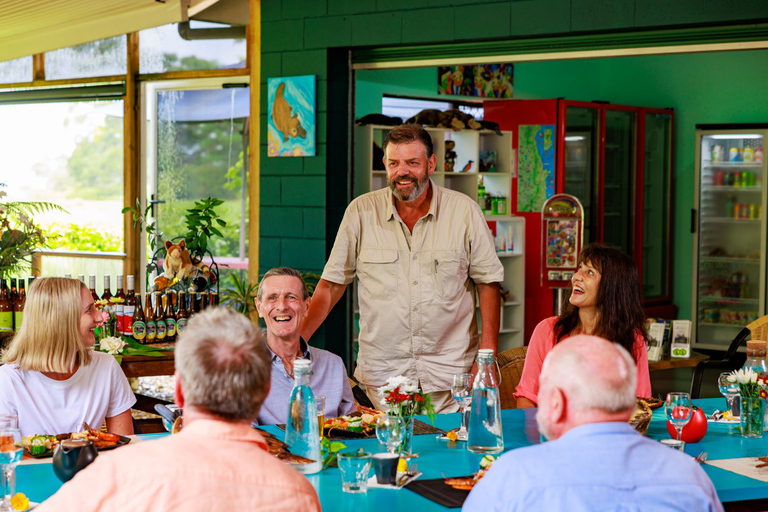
(291, 116)
(482, 80)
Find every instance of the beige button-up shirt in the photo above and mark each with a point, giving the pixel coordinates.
(416, 291)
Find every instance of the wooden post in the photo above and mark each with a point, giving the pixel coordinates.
(131, 165)
(254, 155)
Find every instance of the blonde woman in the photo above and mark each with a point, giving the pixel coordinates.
(52, 379)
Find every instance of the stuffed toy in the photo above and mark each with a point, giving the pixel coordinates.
(178, 262)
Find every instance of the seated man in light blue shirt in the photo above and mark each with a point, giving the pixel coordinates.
(595, 460)
(282, 301)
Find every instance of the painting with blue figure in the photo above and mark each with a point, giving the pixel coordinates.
(292, 129)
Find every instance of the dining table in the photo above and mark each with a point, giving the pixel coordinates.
(438, 458)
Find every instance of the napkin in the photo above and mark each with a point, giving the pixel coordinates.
(745, 466)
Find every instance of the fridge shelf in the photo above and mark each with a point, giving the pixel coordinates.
(728, 300)
(740, 165)
(713, 324)
(729, 220)
(727, 259)
(729, 188)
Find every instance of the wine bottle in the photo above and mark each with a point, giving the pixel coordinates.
(182, 317)
(159, 319)
(138, 322)
(92, 287)
(6, 308)
(107, 294)
(170, 318)
(129, 307)
(18, 306)
(149, 316)
(120, 306)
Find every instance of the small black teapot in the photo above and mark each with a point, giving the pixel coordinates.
(71, 456)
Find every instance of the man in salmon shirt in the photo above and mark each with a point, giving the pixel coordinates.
(218, 461)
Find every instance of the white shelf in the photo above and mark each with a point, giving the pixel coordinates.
(733, 300)
(730, 220)
(509, 254)
(727, 259)
(712, 324)
(742, 165)
(729, 188)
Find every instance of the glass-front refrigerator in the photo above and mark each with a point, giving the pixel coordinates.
(730, 232)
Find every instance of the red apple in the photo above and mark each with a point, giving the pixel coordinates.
(694, 430)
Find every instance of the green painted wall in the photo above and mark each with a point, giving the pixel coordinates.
(302, 197)
(702, 88)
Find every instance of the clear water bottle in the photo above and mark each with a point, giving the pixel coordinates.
(485, 418)
(301, 429)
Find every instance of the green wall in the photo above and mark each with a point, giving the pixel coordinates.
(726, 87)
(302, 197)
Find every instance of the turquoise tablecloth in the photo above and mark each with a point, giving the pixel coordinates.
(436, 459)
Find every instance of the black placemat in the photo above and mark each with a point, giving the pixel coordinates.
(336, 434)
(438, 491)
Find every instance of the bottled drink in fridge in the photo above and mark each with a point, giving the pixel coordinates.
(485, 417)
(301, 431)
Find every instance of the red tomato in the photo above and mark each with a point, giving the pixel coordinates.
(694, 430)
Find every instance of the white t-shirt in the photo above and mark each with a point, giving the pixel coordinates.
(46, 406)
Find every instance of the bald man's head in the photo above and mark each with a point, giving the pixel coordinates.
(594, 377)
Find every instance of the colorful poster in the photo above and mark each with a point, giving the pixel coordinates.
(536, 166)
(484, 80)
(291, 117)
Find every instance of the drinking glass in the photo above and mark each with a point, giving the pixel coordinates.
(320, 406)
(461, 389)
(730, 390)
(679, 410)
(11, 450)
(354, 469)
(390, 431)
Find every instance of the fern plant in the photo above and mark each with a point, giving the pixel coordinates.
(20, 235)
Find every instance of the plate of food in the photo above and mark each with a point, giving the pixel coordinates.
(43, 445)
(361, 423)
(653, 403)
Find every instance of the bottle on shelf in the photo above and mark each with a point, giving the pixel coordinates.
(301, 429)
(6, 308)
(481, 194)
(18, 306)
(138, 321)
(120, 306)
(159, 319)
(149, 319)
(129, 307)
(81, 277)
(170, 318)
(204, 300)
(182, 317)
(92, 287)
(214, 299)
(485, 417)
(194, 303)
(68, 275)
(107, 293)
(14, 291)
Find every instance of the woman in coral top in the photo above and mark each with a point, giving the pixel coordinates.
(606, 302)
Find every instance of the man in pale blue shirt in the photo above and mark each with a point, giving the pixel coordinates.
(282, 301)
(595, 460)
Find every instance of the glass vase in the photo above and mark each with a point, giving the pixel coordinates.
(406, 445)
(752, 416)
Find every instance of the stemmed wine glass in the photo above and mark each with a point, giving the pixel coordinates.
(390, 431)
(679, 410)
(11, 450)
(461, 389)
(730, 390)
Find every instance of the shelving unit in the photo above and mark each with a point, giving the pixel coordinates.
(469, 144)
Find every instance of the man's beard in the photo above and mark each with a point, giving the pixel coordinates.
(420, 186)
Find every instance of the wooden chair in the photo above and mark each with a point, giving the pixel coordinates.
(511, 363)
(757, 330)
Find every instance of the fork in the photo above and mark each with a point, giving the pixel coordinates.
(702, 457)
(408, 475)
